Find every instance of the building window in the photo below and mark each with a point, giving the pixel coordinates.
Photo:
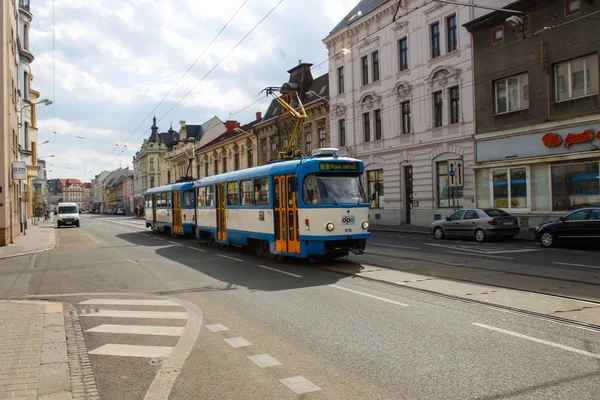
(576, 78)
(367, 127)
(341, 80)
(151, 182)
(406, 122)
(206, 169)
(448, 197)
(342, 123)
(377, 124)
(25, 93)
(365, 70)
(26, 136)
(236, 162)
(451, 33)
(512, 93)
(437, 108)
(454, 105)
(273, 147)
(375, 60)
(510, 188)
(216, 167)
(572, 6)
(224, 161)
(168, 176)
(308, 141)
(250, 158)
(322, 137)
(497, 34)
(435, 40)
(375, 184)
(403, 52)
(152, 164)
(575, 186)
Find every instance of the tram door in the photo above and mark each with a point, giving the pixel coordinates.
(286, 213)
(177, 218)
(221, 212)
(154, 221)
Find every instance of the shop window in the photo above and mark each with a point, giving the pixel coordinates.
(576, 78)
(232, 194)
(246, 193)
(261, 191)
(448, 197)
(575, 186)
(375, 183)
(512, 93)
(510, 188)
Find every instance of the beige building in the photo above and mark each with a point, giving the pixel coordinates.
(73, 192)
(149, 165)
(275, 129)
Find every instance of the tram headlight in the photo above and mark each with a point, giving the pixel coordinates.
(330, 226)
(365, 225)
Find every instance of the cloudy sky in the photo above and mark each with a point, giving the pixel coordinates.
(113, 61)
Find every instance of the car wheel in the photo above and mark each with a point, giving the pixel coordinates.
(547, 239)
(438, 233)
(480, 235)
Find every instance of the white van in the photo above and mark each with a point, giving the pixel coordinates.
(67, 214)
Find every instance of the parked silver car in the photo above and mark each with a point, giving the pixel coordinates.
(477, 223)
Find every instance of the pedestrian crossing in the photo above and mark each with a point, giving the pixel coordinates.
(123, 321)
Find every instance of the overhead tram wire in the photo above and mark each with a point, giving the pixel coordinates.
(187, 71)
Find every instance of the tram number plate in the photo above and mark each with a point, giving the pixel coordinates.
(348, 230)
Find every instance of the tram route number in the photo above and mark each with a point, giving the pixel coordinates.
(348, 230)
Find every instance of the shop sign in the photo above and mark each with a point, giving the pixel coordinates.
(554, 139)
(19, 170)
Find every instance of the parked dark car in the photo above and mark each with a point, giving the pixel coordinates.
(477, 223)
(582, 224)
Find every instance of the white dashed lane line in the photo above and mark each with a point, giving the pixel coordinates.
(300, 385)
(236, 342)
(197, 249)
(231, 258)
(369, 295)
(395, 246)
(280, 271)
(264, 360)
(479, 255)
(217, 328)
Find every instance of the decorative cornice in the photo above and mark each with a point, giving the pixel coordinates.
(368, 41)
(403, 91)
(442, 75)
(369, 100)
(400, 27)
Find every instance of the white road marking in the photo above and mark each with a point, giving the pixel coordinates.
(197, 249)
(138, 330)
(479, 255)
(484, 249)
(398, 247)
(217, 328)
(576, 265)
(158, 239)
(299, 384)
(237, 342)
(147, 235)
(177, 243)
(557, 345)
(138, 314)
(264, 360)
(130, 302)
(370, 295)
(280, 271)
(231, 258)
(128, 350)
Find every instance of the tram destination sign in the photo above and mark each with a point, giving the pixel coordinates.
(339, 166)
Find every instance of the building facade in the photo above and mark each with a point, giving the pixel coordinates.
(97, 191)
(538, 109)
(73, 192)
(401, 84)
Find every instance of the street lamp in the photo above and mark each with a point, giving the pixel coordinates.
(45, 102)
(50, 156)
(313, 93)
(39, 144)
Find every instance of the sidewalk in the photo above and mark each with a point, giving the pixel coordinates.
(525, 233)
(37, 239)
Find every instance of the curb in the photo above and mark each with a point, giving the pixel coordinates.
(29, 252)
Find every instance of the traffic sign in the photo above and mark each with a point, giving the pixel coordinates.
(455, 173)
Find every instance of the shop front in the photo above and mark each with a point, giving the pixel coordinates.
(540, 174)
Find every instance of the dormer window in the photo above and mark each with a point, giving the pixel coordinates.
(497, 34)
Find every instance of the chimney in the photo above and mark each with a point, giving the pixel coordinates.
(258, 116)
(231, 125)
(182, 123)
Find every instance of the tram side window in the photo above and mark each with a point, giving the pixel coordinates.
(188, 199)
(232, 194)
(159, 200)
(261, 191)
(246, 193)
(210, 196)
(201, 194)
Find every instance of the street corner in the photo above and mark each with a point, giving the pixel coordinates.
(38, 239)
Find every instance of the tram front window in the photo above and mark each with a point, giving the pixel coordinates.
(333, 189)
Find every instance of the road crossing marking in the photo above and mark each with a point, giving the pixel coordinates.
(280, 271)
(576, 265)
(138, 314)
(264, 360)
(128, 350)
(231, 258)
(130, 302)
(395, 246)
(217, 328)
(139, 330)
(237, 342)
(546, 342)
(299, 384)
(370, 295)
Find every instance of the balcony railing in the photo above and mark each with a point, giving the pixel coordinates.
(24, 4)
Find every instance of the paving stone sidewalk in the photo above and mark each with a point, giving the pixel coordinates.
(37, 239)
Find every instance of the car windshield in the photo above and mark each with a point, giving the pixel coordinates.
(333, 189)
(494, 212)
(67, 210)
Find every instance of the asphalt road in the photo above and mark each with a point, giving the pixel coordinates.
(293, 330)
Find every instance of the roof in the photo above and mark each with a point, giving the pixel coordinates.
(365, 7)
(175, 186)
(71, 181)
(230, 135)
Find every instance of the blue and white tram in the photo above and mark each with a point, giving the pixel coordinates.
(304, 208)
(170, 208)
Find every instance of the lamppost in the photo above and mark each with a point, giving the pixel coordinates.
(45, 102)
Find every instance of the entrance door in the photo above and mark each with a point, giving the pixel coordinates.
(177, 219)
(286, 214)
(408, 187)
(221, 212)
(154, 221)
